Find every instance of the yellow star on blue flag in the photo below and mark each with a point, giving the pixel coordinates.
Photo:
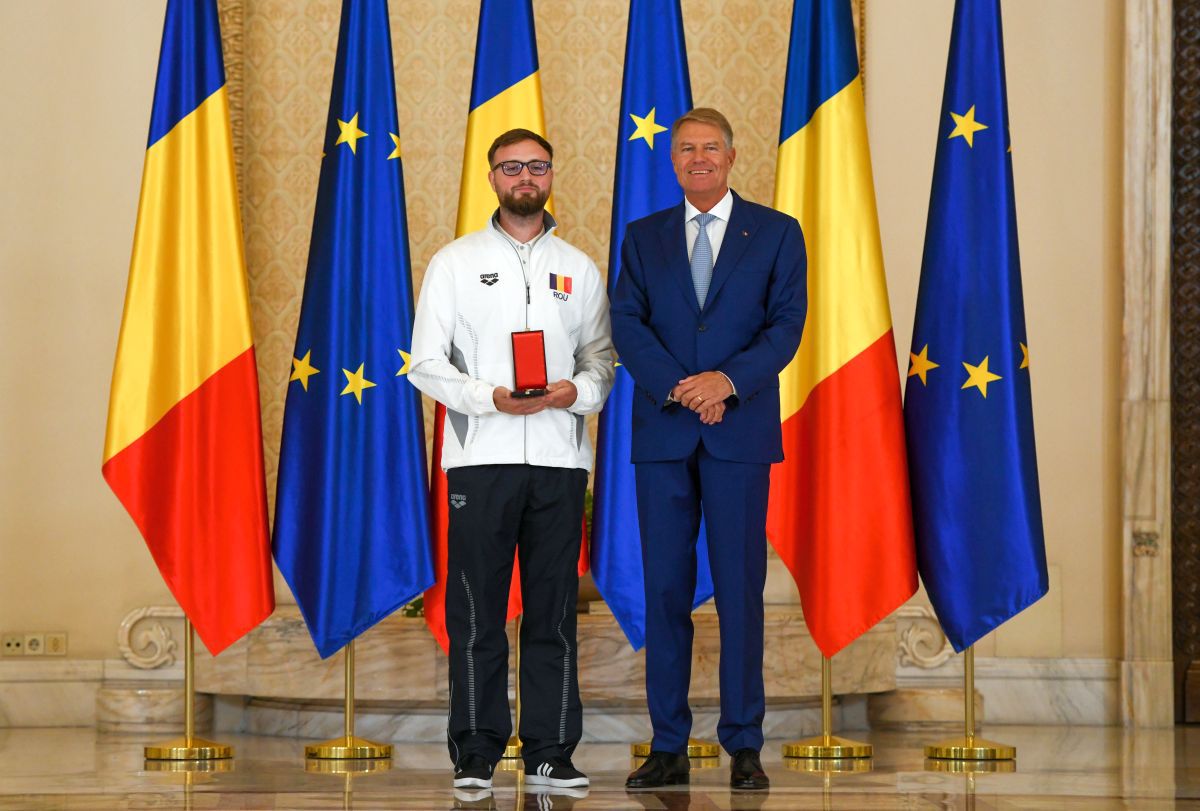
(647, 127)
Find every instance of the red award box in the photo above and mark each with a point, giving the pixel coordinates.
(529, 363)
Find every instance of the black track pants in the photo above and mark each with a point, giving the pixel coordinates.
(537, 513)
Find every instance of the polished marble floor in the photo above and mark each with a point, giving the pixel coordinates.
(1056, 768)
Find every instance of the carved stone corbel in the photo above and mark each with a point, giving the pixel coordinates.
(921, 640)
(144, 641)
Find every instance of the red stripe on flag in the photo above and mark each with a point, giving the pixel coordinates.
(194, 486)
(439, 511)
(839, 514)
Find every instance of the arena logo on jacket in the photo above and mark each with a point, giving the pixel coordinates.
(561, 285)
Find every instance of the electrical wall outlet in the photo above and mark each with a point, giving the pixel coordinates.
(12, 644)
(35, 644)
(56, 643)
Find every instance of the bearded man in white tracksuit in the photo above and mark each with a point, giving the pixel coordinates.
(516, 467)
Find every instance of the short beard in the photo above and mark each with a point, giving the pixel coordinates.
(524, 205)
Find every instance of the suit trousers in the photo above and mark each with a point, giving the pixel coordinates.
(536, 513)
(732, 497)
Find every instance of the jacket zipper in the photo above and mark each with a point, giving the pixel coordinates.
(528, 301)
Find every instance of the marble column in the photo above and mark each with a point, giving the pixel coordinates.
(1146, 667)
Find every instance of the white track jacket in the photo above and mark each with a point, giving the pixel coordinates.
(477, 291)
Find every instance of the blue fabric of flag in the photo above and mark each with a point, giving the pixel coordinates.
(821, 60)
(190, 66)
(969, 419)
(501, 62)
(351, 520)
(656, 79)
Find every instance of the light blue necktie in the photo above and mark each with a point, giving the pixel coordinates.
(702, 259)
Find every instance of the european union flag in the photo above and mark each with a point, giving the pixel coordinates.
(351, 519)
(656, 90)
(968, 411)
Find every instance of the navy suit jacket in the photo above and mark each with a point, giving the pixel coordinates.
(749, 329)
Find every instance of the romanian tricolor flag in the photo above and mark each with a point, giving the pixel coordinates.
(183, 451)
(839, 513)
(561, 284)
(506, 93)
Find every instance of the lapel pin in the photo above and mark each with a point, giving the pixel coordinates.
(745, 233)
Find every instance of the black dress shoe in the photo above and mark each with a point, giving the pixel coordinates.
(746, 771)
(660, 769)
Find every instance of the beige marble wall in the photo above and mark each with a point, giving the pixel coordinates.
(398, 662)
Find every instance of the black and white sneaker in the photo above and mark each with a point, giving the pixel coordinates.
(557, 772)
(472, 771)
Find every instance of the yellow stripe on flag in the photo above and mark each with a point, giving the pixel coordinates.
(187, 309)
(517, 106)
(824, 180)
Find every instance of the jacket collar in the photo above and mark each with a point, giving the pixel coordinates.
(738, 234)
(549, 224)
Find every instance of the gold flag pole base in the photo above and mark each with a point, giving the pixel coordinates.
(189, 749)
(969, 749)
(827, 746)
(826, 765)
(947, 766)
(697, 747)
(513, 749)
(348, 747)
(832, 747)
(211, 766)
(354, 766)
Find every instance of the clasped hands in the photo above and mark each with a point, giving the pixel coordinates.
(559, 394)
(705, 394)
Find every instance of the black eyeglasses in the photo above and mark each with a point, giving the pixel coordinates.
(513, 168)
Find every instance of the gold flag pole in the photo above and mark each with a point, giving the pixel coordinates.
(513, 749)
(348, 747)
(827, 746)
(970, 747)
(189, 747)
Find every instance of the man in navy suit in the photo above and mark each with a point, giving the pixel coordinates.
(708, 309)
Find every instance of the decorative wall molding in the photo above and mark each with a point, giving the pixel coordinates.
(921, 640)
(1185, 359)
(144, 641)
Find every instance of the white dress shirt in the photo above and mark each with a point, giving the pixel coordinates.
(716, 228)
(716, 235)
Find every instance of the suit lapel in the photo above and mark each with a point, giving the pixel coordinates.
(738, 234)
(674, 245)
